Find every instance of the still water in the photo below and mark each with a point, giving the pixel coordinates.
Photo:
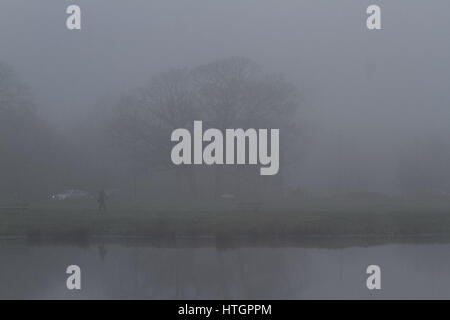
(145, 272)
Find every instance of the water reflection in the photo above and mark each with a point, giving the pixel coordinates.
(124, 272)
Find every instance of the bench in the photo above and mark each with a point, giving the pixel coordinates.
(14, 208)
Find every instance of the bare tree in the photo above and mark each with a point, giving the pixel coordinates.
(147, 116)
(235, 93)
(230, 93)
(26, 144)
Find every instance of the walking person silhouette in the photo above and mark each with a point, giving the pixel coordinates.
(102, 201)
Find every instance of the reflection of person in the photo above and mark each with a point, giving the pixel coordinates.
(102, 251)
(102, 201)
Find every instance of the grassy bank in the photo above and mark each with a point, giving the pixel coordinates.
(308, 222)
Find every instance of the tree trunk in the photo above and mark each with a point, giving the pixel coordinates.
(192, 183)
(217, 182)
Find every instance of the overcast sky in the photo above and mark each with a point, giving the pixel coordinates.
(376, 87)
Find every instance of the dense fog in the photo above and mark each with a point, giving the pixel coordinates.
(359, 111)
